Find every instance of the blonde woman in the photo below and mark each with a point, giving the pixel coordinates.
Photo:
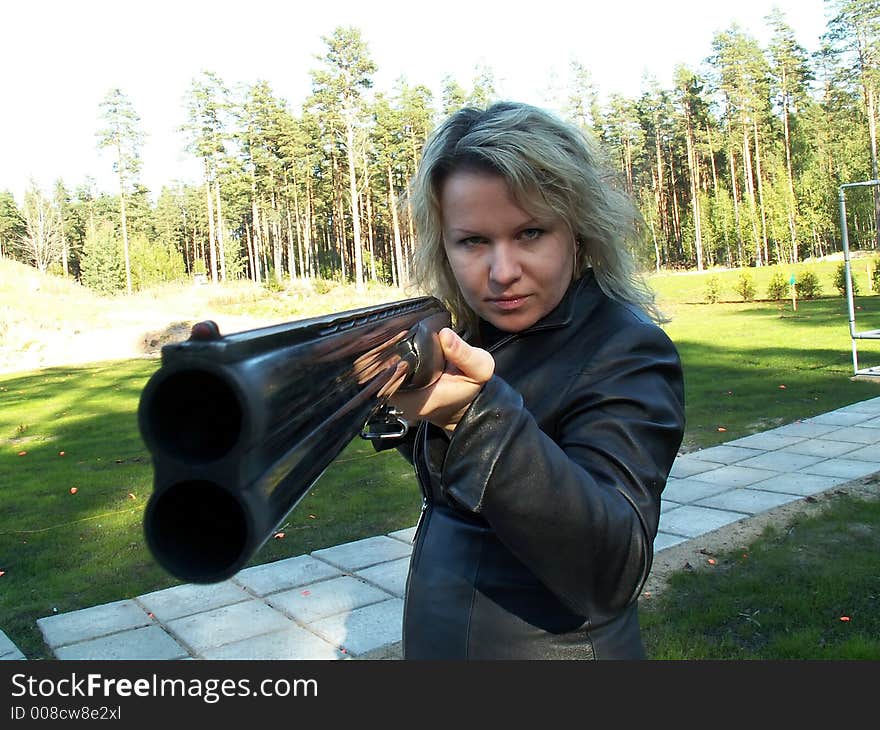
(543, 449)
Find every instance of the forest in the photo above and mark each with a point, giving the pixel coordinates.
(739, 164)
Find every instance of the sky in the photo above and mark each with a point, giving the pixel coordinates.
(59, 58)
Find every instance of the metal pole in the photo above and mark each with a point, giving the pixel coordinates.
(844, 236)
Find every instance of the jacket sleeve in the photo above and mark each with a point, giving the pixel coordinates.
(580, 510)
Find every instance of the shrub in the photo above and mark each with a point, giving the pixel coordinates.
(713, 287)
(807, 285)
(745, 286)
(840, 280)
(778, 287)
(875, 275)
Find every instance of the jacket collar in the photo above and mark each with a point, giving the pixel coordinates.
(560, 316)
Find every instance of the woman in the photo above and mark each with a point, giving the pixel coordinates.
(544, 447)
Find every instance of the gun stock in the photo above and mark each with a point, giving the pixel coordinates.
(241, 426)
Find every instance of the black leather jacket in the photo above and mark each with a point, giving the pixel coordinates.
(540, 513)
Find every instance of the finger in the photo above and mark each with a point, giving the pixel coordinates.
(473, 362)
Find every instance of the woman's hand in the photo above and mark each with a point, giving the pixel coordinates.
(444, 402)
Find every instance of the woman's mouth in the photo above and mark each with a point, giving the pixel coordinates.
(508, 303)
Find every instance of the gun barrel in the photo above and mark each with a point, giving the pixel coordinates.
(241, 426)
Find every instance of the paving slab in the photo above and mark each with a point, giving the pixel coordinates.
(666, 540)
(724, 454)
(767, 441)
(390, 576)
(822, 447)
(91, 623)
(839, 418)
(866, 406)
(866, 453)
(873, 423)
(687, 466)
(750, 501)
(372, 631)
(293, 642)
(848, 468)
(691, 520)
(281, 575)
(359, 554)
(856, 434)
(739, 475)
(782, 460)
(684, 491)
(149, 642)
(226, 625)
(319, 600)
(800, 483)
(8, 649)
(183, 600)
(805, 430)
(666, 505)
(406, 535)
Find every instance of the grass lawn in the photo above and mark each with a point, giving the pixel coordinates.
(76, 475)
(808, 591)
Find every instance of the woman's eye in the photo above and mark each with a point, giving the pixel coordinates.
(471, 241)
(530, 234)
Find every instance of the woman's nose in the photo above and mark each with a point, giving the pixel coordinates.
(504, 268)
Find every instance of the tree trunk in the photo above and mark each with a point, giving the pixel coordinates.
(355, 208)
(761, 194)
(211, 247)
(221, 248)
(400, 275)
(736, 215)
(695, 200)
(749, 185)
(791, 199)
(255, 224)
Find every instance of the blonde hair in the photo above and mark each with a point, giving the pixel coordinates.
(551, 168)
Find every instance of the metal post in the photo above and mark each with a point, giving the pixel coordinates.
(844, 236)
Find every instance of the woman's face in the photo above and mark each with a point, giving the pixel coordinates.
(511, 268)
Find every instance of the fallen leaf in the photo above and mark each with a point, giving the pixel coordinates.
(647, 594)
(2, 573)
(844, 618)
(73, 490)
(781, 387)
(306, 593)
(711, 561)
(722, 429)
(60, 453)
(311, 517)
(279, 535)
(150, 614)
(131, 496)
(22, 453)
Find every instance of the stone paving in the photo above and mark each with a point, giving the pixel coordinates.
(346, 602)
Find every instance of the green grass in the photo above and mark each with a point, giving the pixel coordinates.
(808, 591)
(61, 551)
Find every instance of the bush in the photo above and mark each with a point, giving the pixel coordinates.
(745, 287)
(840, 280)
(713, 287)
(807, 285)
(875, 275)
(777, 289)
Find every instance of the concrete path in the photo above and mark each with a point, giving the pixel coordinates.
(347, 601)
